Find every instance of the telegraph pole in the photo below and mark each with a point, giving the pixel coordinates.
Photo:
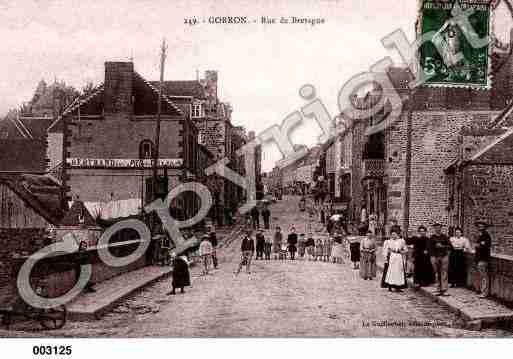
(159, 111)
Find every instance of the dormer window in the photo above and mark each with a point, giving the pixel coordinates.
(146, 149)
(196, 110)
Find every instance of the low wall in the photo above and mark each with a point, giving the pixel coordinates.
(58, 273)
(500, 273)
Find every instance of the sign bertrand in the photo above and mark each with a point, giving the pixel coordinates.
(122, 162)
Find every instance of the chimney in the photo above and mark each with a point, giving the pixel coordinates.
(251, 135)
(118, 87)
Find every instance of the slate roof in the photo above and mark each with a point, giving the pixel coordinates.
(23, 155)
(146, 97)
(41, 193)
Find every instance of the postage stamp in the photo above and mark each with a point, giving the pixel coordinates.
(457, 51)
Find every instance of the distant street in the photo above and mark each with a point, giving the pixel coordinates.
(279, 298)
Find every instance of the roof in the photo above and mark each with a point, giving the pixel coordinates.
(191, 88)
(23, 155)
(146, 98)
(39, 192)
(78, 215)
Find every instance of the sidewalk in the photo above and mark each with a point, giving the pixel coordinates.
(477, 312)
(91, 306)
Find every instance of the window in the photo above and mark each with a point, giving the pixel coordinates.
(146, 149)
(196, 110)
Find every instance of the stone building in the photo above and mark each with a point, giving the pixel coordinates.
(108, 139)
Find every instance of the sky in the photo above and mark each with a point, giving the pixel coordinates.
(261, 67)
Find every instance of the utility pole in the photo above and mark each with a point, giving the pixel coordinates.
(159, 111)
(155, 154)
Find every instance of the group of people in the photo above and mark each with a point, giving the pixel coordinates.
(255, 214)
(437, 259)
(299, 246)
(441, 260)
(208, 256)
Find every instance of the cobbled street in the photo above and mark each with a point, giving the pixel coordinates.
(278, 298)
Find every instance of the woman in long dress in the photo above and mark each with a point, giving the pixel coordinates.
(301, 245)
(319, 249)
(328, 244)
(396, 277)
(277, 239)
(337, 252)
(457, 262)
(368, 257)
(310, 247)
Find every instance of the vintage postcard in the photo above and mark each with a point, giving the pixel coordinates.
(276, 169)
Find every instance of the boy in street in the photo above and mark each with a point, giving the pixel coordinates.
(205, 252)
(247, 248)
(483, 254)
(439, 247)
(213, 240)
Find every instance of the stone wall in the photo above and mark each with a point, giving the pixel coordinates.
(15, 242)
(395, 168)
(435, 145)
(58, 273)
(488, 195)
(500, 275)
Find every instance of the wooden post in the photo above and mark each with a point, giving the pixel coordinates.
(157, 130)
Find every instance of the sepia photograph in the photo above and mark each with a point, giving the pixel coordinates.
(324, 169)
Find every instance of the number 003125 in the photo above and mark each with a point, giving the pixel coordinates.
(51, 350)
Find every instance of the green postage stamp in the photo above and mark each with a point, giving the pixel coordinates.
(455, 43)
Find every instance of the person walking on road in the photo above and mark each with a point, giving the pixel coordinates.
(277, 241)
(205, 252)
(396, 275)
(213, 240)
(439, 247)
(181, 276)
(268, 247)
(423, 269)
(292, 243)
(260, 244)
(255, 217)
(483, 255)
(457, 262)
(266, 216)
(368, 256)
(248, 249)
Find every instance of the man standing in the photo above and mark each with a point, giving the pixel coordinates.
(438, 249)
(247, 248)
(483, 254)
(255, 217)
(292, 242)
(213, 240)
(266, 215)
(260, 244)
